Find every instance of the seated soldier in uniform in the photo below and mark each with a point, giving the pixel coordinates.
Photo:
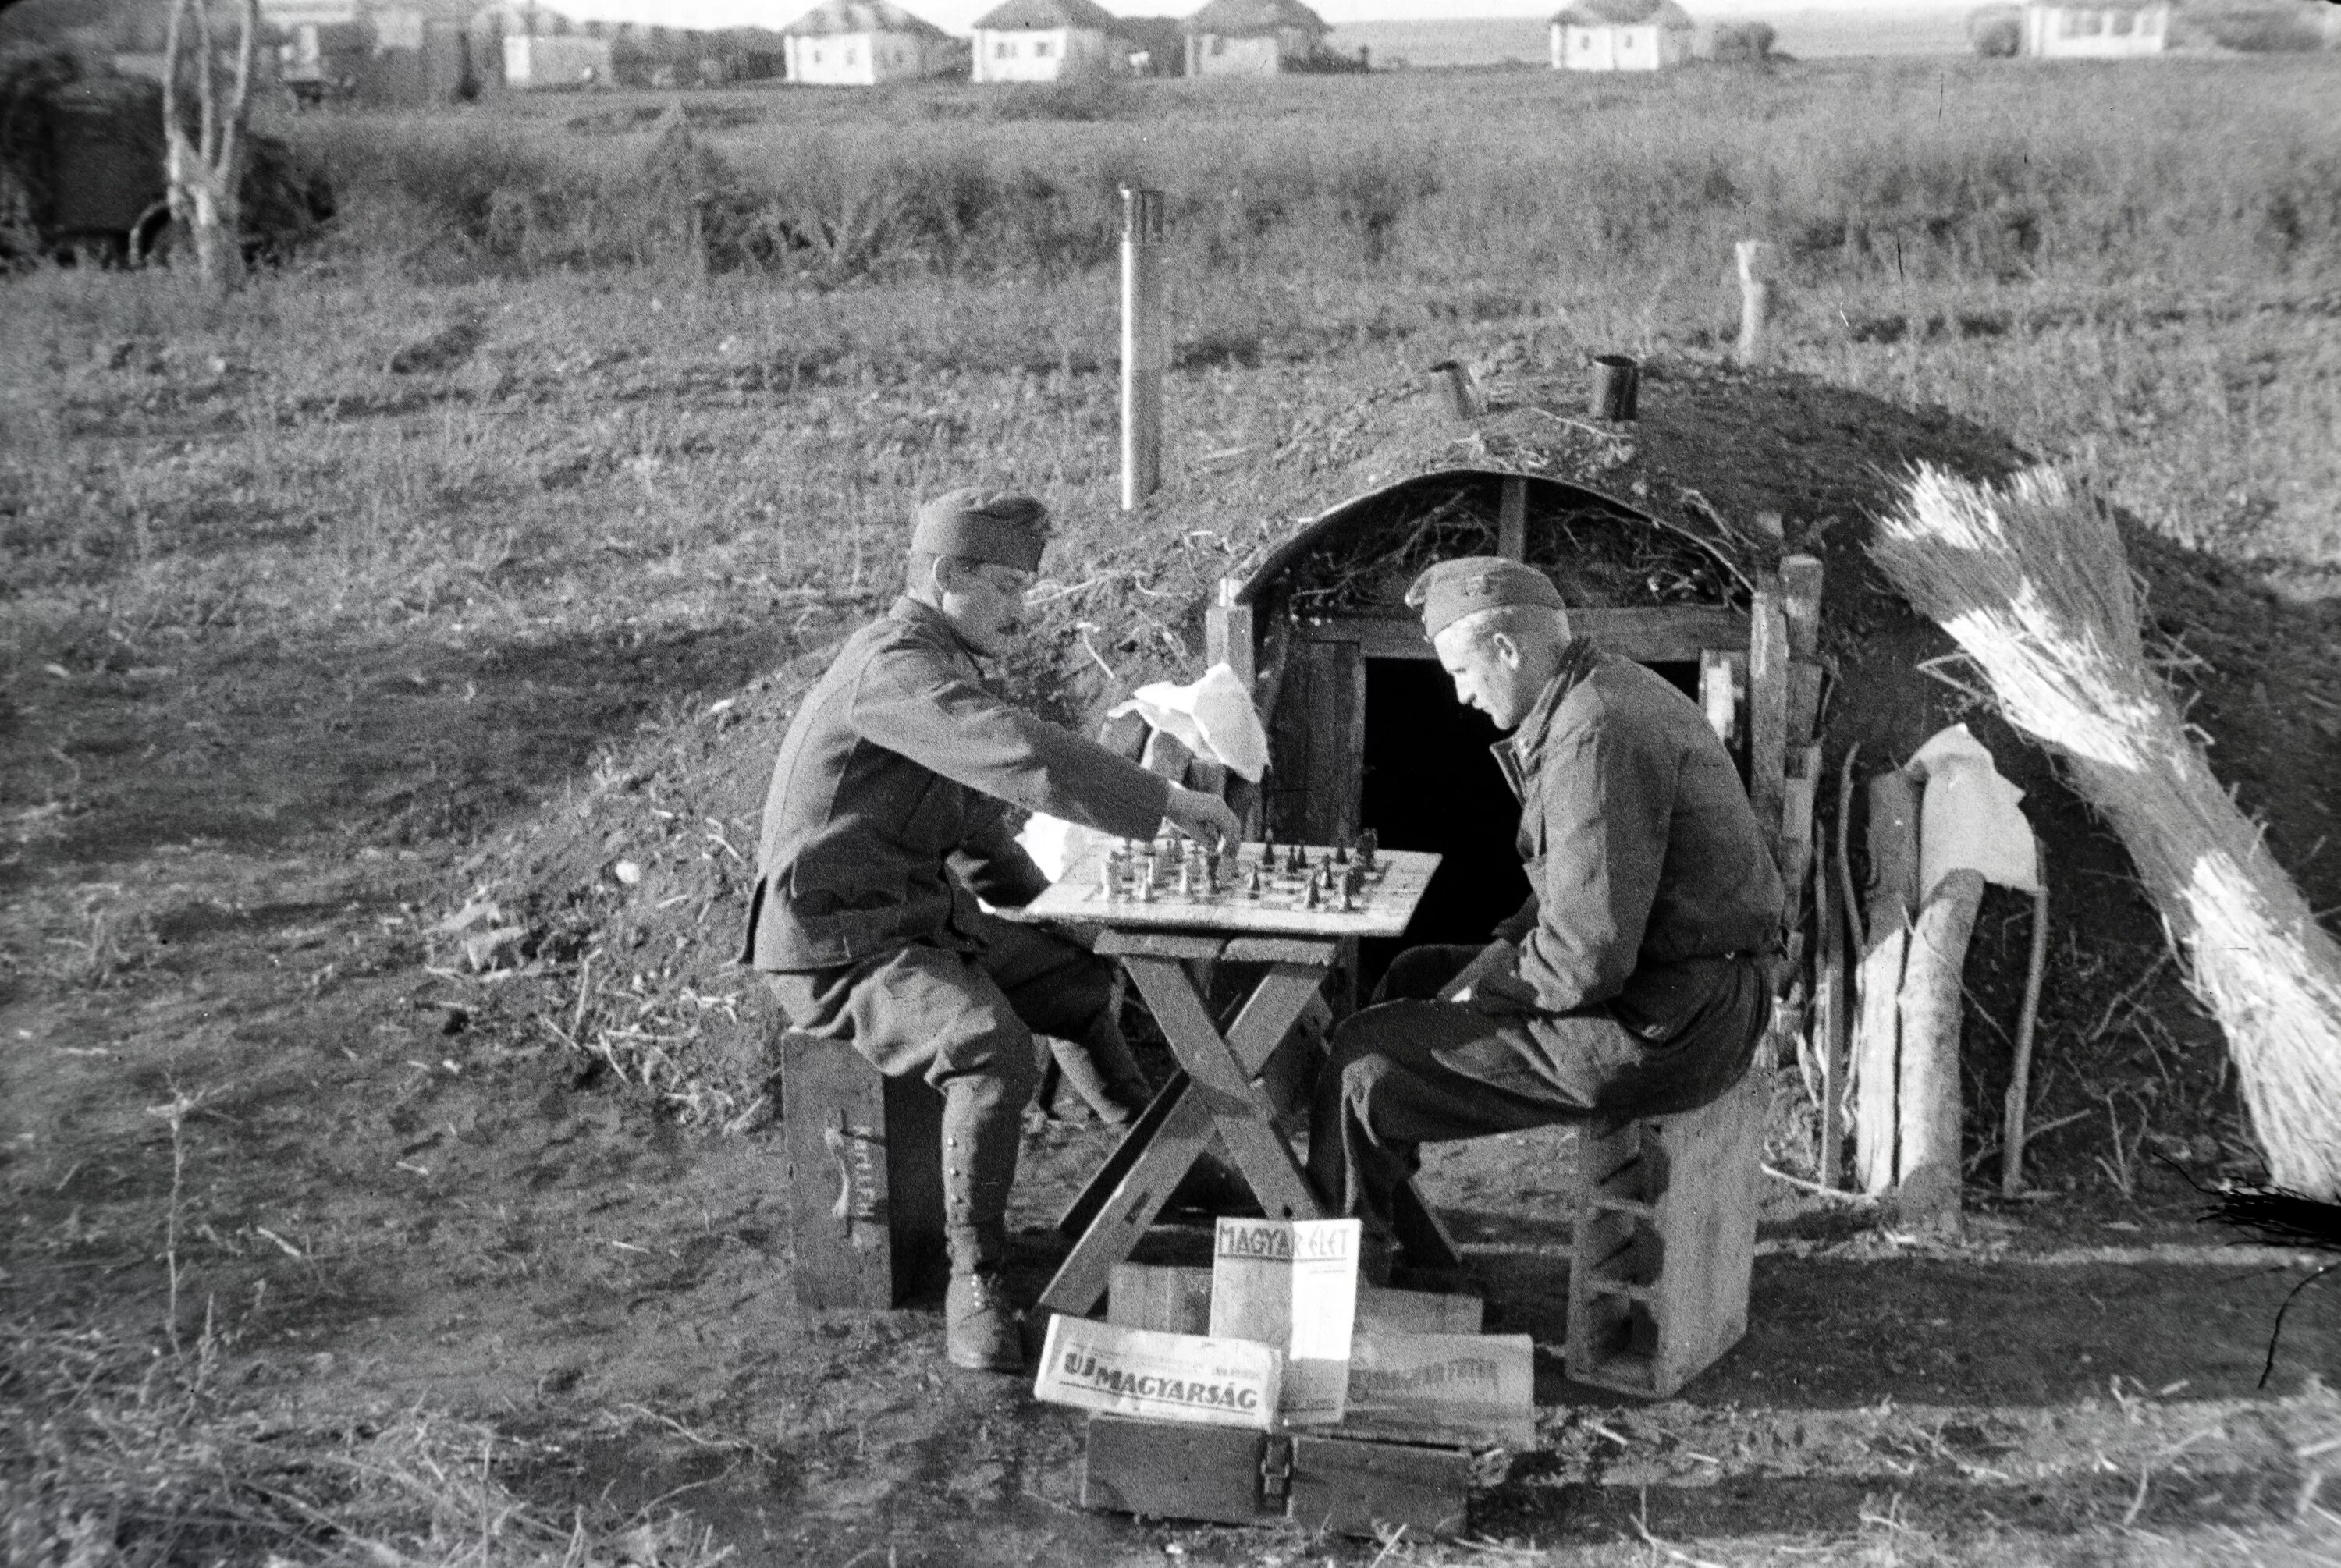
(1632, 982)
(889, 816)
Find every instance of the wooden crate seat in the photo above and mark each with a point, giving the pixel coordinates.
(1665, 1240)
(865, 1175)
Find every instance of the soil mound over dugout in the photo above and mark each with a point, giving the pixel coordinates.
(628, 891)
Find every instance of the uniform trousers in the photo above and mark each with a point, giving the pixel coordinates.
(964, 1017)
(1411, 1071)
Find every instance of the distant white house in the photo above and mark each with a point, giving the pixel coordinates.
(1252, 37)
(1621, 35)
(1043, 40)
(861, 42)
(2098, 30)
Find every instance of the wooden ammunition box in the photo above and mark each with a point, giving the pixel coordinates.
(1231, 1476)
(865, 1175)
(1665, 1242)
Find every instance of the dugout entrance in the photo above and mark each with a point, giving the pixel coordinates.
(1364, 727)
(1429, 782)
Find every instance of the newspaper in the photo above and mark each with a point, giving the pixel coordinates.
(1156, 1376)
(1470, 1390)
(1291, 1283)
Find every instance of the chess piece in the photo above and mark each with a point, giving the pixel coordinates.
(1308, 898)
(1252, 888)
(1109, 879)
(1186, 878)
(1146, 884)
(1370, 845)
(1340, 855)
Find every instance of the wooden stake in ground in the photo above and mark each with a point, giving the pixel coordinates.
(1926, 1136)
(1876, 1030)
(2019, 1082)
(203, 173)
(1145, 345)
(1755, 300)
(2032, 582)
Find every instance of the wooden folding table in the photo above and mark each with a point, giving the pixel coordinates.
(1168, 944)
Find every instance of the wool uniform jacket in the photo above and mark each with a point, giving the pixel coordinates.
(890, 795)
(1643, 855)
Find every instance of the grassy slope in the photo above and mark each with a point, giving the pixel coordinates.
(637, 459)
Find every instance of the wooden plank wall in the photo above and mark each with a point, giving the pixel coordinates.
(1316, 736)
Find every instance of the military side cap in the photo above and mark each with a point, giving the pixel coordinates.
(1452, 589)
(994, 525)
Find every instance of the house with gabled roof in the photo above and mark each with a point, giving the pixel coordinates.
(861, 42)
(1044, 40)
(1621, 35)
(2096, 29)
(1252, 37)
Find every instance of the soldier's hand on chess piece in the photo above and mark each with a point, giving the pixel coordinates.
(1204, 818)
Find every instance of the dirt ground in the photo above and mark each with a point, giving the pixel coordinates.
(535, 1186)
(395, 1195)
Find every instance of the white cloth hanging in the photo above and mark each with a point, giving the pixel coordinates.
(1970, 818)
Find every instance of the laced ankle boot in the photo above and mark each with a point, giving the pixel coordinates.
(980, 1323)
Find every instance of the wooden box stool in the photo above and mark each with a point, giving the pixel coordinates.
(865, 1175)
(1230, 1476)
(1664, 1241)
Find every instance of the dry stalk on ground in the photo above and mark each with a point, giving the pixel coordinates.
(2032, 582)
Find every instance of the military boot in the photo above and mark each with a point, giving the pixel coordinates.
(981, 1327)
(980, 1136)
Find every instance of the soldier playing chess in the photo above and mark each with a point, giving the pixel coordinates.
(1633, 980)
(887, 819)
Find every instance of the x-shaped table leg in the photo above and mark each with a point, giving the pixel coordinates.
(1214, 1093)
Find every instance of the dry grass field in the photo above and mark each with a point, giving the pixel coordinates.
(453, 560)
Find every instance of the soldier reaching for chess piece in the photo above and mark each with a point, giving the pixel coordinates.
(1634, 980)
(888, 819)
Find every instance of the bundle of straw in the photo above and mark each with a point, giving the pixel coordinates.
(2032, 583)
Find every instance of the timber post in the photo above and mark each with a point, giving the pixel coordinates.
(1145, 345)
(1893, 897)
(1927, 1168)
(1755, 300)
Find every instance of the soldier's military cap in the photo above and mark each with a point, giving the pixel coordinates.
(991, 525)
(1452, 589)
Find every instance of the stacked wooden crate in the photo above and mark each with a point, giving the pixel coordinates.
(1431, 1404)
(1665, 1241)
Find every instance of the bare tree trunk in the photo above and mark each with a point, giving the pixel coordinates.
(204, 170)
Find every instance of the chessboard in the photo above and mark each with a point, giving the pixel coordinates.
(1270, 889)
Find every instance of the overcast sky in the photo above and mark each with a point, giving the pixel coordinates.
(958, 15)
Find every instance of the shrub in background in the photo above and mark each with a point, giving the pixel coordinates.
(2265, 29)
(1997, 32)
(1743, 43)
(1087, 95)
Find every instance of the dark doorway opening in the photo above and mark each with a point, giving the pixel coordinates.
(1430, 784)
